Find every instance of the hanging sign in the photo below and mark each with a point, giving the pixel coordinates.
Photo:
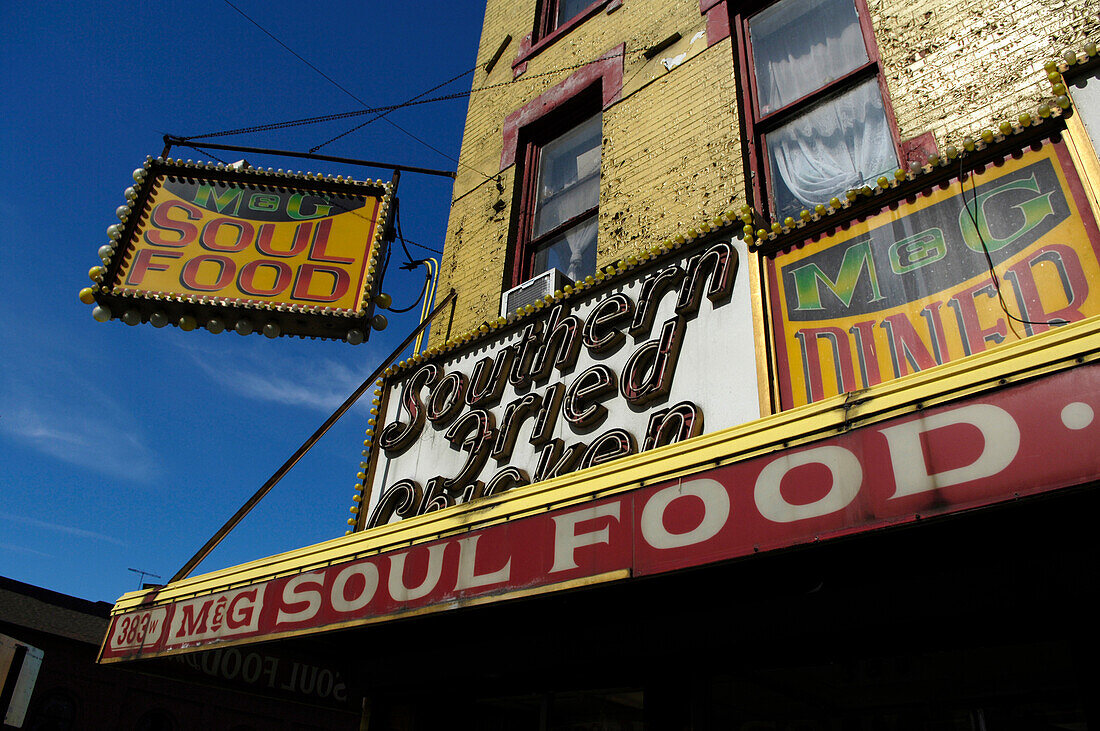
(657, 354)
(974, 452)
(206, 246)
(911, 287)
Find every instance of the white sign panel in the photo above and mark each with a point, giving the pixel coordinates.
(658, 355)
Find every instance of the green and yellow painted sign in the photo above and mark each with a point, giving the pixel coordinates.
(1000, 254)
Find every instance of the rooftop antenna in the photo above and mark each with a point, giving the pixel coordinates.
(141, 578)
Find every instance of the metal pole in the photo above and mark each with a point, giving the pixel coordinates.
(169, 141)
(244, 510)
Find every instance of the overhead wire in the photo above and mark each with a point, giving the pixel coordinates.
(410, 242)
(415, 101)
(379, 112)
(988, 257)
(296, 55)
(353, 96)
(209, 154)
(382, 113)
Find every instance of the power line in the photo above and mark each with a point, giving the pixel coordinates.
(423, 246)
(353, 96)
(271, 35)
(209, 154)
(415, 101)
(408, 102)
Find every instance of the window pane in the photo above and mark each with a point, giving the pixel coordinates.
(840, 143)
(1086, 101)
(572, 252)
(568, 9)
(569, 176)
(799, 46)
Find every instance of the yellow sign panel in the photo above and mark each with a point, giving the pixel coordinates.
(1007, 252)
(252, 244)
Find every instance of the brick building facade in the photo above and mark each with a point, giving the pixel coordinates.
(673, 151)
(806, 440)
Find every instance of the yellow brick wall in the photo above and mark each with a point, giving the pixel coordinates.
(956, 67)
(672, 149)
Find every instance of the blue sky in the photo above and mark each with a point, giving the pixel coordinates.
(129, 446)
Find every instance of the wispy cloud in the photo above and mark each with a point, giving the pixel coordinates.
(61, 528)
(321, 384)
(24, 549)
(77, 439)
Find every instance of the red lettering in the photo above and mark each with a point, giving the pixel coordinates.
(267, 233)
(187, 231)
(244, 235)
(318, 252)
(974, 336)
(1059, 261)
(189, 275)
(143, 263)
(868, 354)
(247, 279)
(842, 360)
(189, 623)
(341, 281)
(907, 350)
(235, 617)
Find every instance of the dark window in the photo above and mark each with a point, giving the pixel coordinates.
(817, 113)
(559, 201)
(553, 14)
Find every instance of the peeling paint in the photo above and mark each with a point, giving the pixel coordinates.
(671, 63)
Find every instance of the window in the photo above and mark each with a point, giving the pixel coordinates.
(817, 117)
(564, 14)
(560, 200)
(555, 141)
(556, 13)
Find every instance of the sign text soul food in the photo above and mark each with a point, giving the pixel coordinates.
(270, 245)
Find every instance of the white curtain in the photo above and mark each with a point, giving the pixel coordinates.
(574, 252)
(568, 186)
(839, 144)
(799, 46)
(569, 176)
(557, 207)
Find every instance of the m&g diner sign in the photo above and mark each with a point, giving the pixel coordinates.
(910, 287)
(207, 246)
(651, 357)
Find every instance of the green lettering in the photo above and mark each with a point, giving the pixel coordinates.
(974, 223)
(294, 208)
(264, 202)
(231, 196)
(917, 251)
(806, 278)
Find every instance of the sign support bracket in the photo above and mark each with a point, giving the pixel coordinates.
(170, 141)
(259, 495)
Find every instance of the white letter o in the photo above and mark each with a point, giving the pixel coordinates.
(716, 509)
(847, 478)
(369, 572)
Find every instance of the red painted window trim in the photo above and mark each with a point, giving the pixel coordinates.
(592, 88)
(756, 126)
(535, 42)
(607, 71)
(718, 20)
